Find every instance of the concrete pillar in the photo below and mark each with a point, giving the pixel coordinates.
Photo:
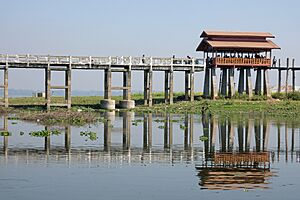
(249, 83)
(224, 82)
(68, 73)
(258, 82)
(171, 86)
(206, 83)
(127, 103)
(241, 86)
(5, 86)
(107, 102)
(214, 89)
(192, 86)
(47, 86)
(231, 89)
(267, 91)
(186, 85)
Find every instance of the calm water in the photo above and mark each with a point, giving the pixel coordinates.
(149, 156)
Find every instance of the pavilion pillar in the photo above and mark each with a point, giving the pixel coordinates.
(214, 90)
(224, 82)
(241, 86)
(267, 91)
(206, 83)
(249, 83)
(258, 82)
(231, 88)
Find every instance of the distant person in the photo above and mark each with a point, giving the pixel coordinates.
(143, 59)
(274, 62)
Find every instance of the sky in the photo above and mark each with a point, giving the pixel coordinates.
(133, 28)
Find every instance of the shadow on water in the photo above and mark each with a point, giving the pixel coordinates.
(228, 153)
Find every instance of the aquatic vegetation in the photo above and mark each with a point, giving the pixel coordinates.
(89, 135)
(137, 121)
(161, 127)
(13, 123)
(203, 138)
(182, 127)
(5, 133)
(44, 133)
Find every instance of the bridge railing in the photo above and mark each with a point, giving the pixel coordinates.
(89, 60)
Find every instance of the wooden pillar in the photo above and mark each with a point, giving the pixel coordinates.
(47, 86)
(241, 86)
(192, 86)
(279, 77)
(287, 76)
(231, 89)
(107, 84)
(267, 91)
(186, 85)
(166, 87)
(171, 86)
(6, 85)
(293, 75)
(206, 82)
(146, 87)
(214, 89)
(68, 73)
(258, 82)
(249, 83)
(224, 82)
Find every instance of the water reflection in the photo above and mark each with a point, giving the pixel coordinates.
(229, 153)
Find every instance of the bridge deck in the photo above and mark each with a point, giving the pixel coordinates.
(101, 63)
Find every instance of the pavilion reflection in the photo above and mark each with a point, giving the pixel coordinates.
(235, 165)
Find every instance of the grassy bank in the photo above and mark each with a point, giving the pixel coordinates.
(31, 108)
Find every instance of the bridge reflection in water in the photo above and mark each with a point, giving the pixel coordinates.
(230, 154)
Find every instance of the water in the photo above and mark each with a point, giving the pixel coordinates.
(152, 157)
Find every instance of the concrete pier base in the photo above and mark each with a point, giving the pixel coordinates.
(126, 104)
(108, 104)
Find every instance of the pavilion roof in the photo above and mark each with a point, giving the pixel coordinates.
(236, 41)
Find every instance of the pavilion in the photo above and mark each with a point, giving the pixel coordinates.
(241, 50)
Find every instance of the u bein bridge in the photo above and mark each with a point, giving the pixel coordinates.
(245, 52)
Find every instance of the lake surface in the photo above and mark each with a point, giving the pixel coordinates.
(134, 156)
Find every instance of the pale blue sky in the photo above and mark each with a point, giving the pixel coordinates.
(134, 27)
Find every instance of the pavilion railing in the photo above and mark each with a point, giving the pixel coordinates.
(242, 61)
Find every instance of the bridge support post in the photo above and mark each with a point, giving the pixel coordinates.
(258, 82)
(214, 89)
(127, 103)
(224, 82)
(241, 86)
(47, 86)
(168, 87)
(6, 86)
(249, 83)
(186, 85)
(267, 91)
(107, 102)
(206, 83)
(68, 74)
(231, 89)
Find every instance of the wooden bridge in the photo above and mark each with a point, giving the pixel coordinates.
(109, 64)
